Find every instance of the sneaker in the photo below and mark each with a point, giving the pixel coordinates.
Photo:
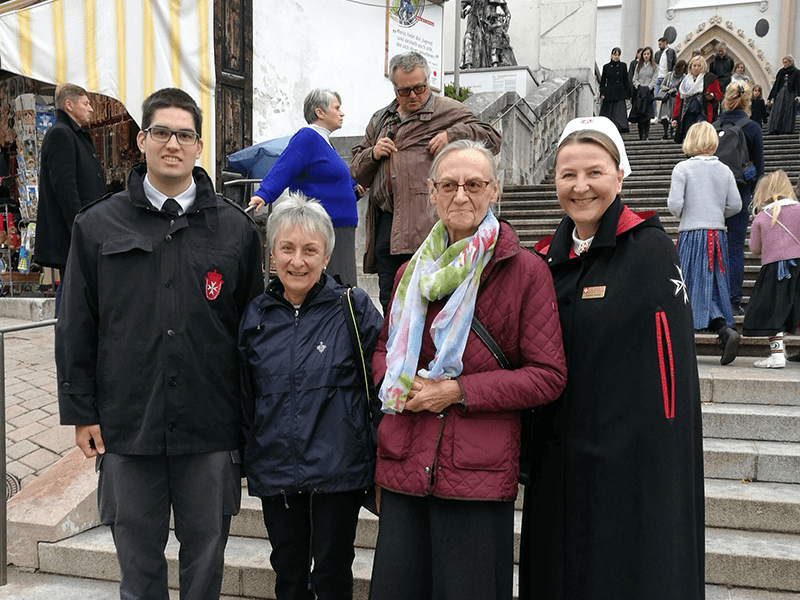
(793, 357)
(775, 361)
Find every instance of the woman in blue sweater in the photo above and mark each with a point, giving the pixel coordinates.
(310, 164)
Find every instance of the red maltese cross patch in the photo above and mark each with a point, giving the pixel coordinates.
(213, 284)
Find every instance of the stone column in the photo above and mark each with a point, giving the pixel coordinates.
(630, 34)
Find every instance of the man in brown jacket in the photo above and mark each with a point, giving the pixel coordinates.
(393, 160)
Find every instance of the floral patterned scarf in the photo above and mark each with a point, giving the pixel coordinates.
(436, 270)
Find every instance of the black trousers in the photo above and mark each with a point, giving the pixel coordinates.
(321, 527)
(386, 262)
(435, 549)
(134, 496)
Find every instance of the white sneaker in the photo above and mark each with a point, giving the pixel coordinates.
(775, 361)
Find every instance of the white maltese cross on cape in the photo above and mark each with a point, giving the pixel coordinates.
(680, 286)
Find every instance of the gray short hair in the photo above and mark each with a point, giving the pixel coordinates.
(307, 213)
(408, 62)
(318, 98)
(789, 57)
(464, 145)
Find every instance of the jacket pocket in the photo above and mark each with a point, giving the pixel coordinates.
(126, 244)
(394, 436)
(487, 442)
(666, 363)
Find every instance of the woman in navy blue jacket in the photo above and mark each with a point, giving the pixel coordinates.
(736, 107)
(306, 416)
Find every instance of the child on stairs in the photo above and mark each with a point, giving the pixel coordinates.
(774, 305)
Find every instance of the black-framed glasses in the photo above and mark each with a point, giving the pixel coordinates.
(161, 135)
(471, 187)
(406, 91)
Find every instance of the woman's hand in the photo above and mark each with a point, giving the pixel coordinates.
(258, 201)
(674, 123)
(434, 396)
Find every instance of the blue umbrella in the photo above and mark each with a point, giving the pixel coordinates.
(256, 161)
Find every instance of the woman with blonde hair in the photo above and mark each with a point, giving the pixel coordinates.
(698, 92)
(775, 235)
(703, 194)
(736, 107)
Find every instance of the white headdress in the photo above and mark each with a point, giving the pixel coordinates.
(603, 125)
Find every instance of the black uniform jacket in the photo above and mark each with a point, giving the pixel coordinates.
(146, 340)
(615, 505)
(614, 82)
(70, 178)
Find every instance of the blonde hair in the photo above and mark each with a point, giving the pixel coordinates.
(700, 139)
(702, 62)
(737, 97)
(770, 188)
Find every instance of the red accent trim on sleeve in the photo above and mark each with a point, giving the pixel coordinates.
(663, 338)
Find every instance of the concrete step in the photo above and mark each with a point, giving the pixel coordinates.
(775, 462)
(247, 570)
(741, 383)
(753, 506)
(249, 523)
(23, 585)
(752, 422)
(767, 561)
(718, 592)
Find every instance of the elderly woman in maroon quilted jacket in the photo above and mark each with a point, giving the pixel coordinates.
(448, 449)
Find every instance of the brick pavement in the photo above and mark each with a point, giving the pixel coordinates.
(34, 439)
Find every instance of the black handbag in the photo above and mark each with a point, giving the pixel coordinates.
(526, 415)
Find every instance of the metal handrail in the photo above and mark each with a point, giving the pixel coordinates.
(3, 500)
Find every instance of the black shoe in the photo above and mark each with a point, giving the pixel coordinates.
(729, 340)
(793, 357)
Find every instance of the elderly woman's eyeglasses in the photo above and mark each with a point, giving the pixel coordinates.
(471, 187)
(406, 91)
(162, 135)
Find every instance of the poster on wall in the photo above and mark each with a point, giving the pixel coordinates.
(416, 25)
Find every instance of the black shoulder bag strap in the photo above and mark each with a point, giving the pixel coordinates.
(355, 338)
(490, 342)
(526, 416)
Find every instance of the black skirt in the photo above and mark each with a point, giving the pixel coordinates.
(617, 111)
(774, 305)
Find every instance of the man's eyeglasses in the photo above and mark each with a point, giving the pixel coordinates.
(406, 91)
(473, 187)
(162, 135)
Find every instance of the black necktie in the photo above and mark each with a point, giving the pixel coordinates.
(171, 207)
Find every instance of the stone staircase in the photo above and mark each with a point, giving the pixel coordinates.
(751, 421)
(535, 213)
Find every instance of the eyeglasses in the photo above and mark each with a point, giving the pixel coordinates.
(406, 91)
(163, 134)
(472, 187)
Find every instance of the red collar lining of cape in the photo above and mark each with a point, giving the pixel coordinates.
(627, 221)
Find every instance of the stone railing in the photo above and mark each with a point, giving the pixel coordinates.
(530, 126)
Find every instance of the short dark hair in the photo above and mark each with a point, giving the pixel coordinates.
(663, 39)
(171, 98)
(68, 91)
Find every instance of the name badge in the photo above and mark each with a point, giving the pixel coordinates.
(596, 291)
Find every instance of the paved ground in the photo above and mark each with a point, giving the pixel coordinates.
(34, 439)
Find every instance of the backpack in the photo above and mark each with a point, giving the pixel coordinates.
(732, 149)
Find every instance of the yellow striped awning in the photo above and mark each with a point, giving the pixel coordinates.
(125, 49)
